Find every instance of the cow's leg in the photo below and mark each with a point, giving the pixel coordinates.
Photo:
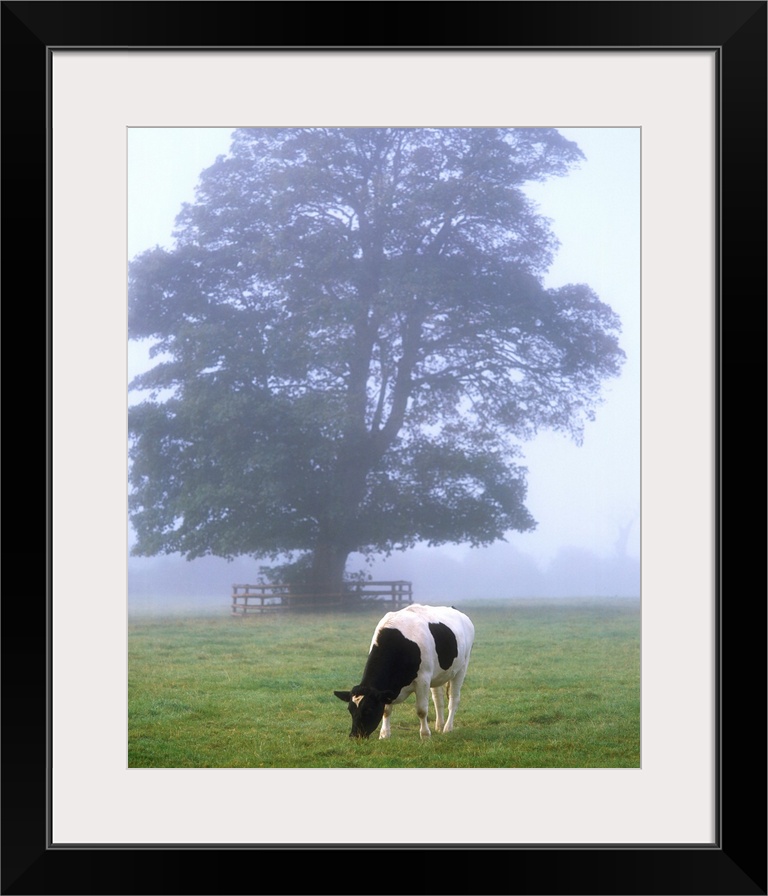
(438, 698)
(385, 732)
(422, 708)
(454, 693)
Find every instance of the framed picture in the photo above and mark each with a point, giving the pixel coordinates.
(691, 76)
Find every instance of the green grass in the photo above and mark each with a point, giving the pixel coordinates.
(551, 684)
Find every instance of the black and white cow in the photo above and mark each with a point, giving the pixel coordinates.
(416, 649)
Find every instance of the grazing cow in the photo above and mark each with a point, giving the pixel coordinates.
(417, 649)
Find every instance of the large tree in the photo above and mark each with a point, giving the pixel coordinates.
(352, 339)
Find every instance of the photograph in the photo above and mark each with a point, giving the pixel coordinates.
(343, 342)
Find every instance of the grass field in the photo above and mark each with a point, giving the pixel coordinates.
(551, 684)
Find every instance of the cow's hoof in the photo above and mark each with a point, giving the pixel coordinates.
(384, 735)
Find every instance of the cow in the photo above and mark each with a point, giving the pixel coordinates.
(416, 649)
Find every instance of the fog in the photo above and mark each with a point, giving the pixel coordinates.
(585, 498)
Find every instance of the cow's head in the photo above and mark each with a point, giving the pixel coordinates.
(366, 706)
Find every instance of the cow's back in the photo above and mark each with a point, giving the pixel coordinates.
(444, 634)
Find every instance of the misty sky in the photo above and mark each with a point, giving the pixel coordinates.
(586, 499)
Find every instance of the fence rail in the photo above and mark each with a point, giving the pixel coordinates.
(248, 599)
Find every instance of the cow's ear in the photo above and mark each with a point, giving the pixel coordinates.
(346, 696)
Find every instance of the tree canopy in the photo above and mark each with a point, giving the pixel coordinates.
(352, 339)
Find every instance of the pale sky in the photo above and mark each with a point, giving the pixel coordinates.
(581, 496)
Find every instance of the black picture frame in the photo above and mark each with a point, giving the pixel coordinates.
(736, 862)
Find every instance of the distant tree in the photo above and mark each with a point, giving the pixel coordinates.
(353, 338)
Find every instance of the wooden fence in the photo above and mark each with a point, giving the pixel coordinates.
(249, 599)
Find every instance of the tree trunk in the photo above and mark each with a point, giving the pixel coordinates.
(326, 577)
(337, 536)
